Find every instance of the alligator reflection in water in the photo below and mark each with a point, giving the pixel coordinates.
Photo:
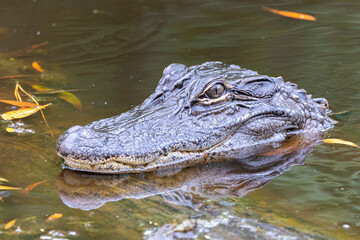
(234, 177)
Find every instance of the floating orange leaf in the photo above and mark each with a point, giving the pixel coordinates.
(1, 200)
(301, 16)
(8, 188)
(37, 67)
(339, 141)
(31, 187)
(54, 216)
(20, 104)
(10, 224)
(22, 112)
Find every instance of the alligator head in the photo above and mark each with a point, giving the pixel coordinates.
(196, 114)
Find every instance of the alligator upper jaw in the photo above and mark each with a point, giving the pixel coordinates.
(114, 164)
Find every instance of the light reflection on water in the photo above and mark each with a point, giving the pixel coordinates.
(117, 54)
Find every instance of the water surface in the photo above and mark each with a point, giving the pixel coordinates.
(116, 51)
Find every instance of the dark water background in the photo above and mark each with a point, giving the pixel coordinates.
(116, 51)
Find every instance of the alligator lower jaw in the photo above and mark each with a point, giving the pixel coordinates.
(113, 166)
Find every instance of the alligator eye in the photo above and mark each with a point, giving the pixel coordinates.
(215, 91)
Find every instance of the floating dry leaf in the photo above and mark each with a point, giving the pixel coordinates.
(339, 141)
(301, 16)
(3, 180)
(22, 112)
(8, 188)
(18, 97)
(27, 110)
(1, 200)
(20, 104)
(31, 187)
(10, 224)
(54, 216)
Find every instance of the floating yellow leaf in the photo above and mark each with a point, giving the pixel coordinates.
(37, 67)
(3, 180)
(19, 104)
(10, 224)
(10, 130)
(31, 187)
(301, 16)
(54, 216)
(70, 98)
(8, 188)
(339, 141)
(22, 112)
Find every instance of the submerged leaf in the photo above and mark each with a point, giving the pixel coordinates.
(41, 88)
(10, 224)
(1, 200)
(14, 76)
(31, 187)
(37, 67)
(54, 216)
(26, 49)
(22, 112)
(65, 95)
(339, 141)
(70, 98)
(301, 16)
(8, 188)
(20, 104)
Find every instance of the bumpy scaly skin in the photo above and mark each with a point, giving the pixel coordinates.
(196, 114)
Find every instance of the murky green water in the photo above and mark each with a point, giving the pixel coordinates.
(116, 51)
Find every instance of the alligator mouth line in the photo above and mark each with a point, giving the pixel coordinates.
(116, 164)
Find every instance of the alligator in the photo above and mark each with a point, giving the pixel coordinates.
(197, 114)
